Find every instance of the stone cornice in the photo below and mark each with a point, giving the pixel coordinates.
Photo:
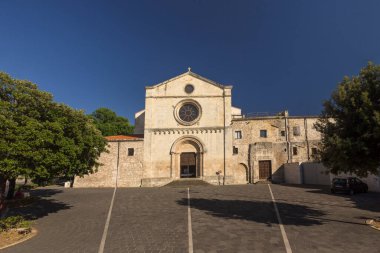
(181, 131)
(209, 96)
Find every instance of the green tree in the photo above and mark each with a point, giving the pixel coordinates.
(110, 124)
(40, 138)
(350, 125)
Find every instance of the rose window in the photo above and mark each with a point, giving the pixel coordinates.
(188, 112)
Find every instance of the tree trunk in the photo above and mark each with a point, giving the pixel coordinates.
(72, 181)
(12, 187)
(3, 182)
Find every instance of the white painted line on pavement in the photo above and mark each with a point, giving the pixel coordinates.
(104, 237)
(283, 233)
(190, 230)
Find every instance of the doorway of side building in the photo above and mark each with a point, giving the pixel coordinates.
(265, 170)
(188, 165)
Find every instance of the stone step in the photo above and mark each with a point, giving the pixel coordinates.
(187, 182)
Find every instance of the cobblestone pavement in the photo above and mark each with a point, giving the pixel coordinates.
(234, 219)
(68, 220)
(336, 222)
(224, 219)
(148, 220)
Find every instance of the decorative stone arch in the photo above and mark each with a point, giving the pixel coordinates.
(186, 144)
(241, 174)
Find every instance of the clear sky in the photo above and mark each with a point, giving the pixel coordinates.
(277, 54)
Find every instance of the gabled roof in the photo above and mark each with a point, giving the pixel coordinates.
(190, 73)
(131, 137)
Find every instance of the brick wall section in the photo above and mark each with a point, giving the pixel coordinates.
(130, 167)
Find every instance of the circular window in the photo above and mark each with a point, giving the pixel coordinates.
(187, 112)
(189, 88)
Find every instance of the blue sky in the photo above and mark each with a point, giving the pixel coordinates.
(278, 54)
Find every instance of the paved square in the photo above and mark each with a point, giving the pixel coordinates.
(223, 219)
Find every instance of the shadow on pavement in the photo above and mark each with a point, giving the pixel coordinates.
(42, 205)
(257, 211)
(366, 201)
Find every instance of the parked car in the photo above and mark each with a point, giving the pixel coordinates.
(349, 185)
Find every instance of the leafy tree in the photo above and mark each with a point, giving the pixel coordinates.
(40, 138)
(350, 125)
(109, 123)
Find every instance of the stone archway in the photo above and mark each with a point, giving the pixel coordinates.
(187, 158)
(241, 174)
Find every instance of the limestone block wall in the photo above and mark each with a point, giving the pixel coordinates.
(130, 167)
(267, 151)
(275, 147)
(117, 165)
(307, 139)
(139, 122)
(160, 158)
(106, 174)
(163, 129)
(306, 125)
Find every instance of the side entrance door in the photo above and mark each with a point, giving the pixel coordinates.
(265, 170)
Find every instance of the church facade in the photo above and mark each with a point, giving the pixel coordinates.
(189, 129)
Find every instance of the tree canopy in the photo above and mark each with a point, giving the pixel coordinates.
(350, 124)
(111, 124)
(40, 138)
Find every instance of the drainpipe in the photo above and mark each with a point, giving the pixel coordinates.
(224, 136)
(117, 162)
(250, 168)
(287, 135)
(307, 139)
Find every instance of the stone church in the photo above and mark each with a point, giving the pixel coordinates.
(189, 129)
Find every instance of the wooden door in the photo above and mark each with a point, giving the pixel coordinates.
(188, 165)
(265, 170)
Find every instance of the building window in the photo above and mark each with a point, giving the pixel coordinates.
(237, 134)
(296, 131)
(314, 151)
(295, 151)
(282, 132)
(188, 112)
(263, 133)
(235, 150)
(189, 88)
(131, 151)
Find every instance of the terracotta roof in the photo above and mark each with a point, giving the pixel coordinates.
(124, 137)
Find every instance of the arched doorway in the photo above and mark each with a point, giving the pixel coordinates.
(188, 165)
(241, 174)
(187, 158)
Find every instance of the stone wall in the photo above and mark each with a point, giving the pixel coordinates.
(287, 140)
(131, 167)
(128, 170)
(211, 135)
